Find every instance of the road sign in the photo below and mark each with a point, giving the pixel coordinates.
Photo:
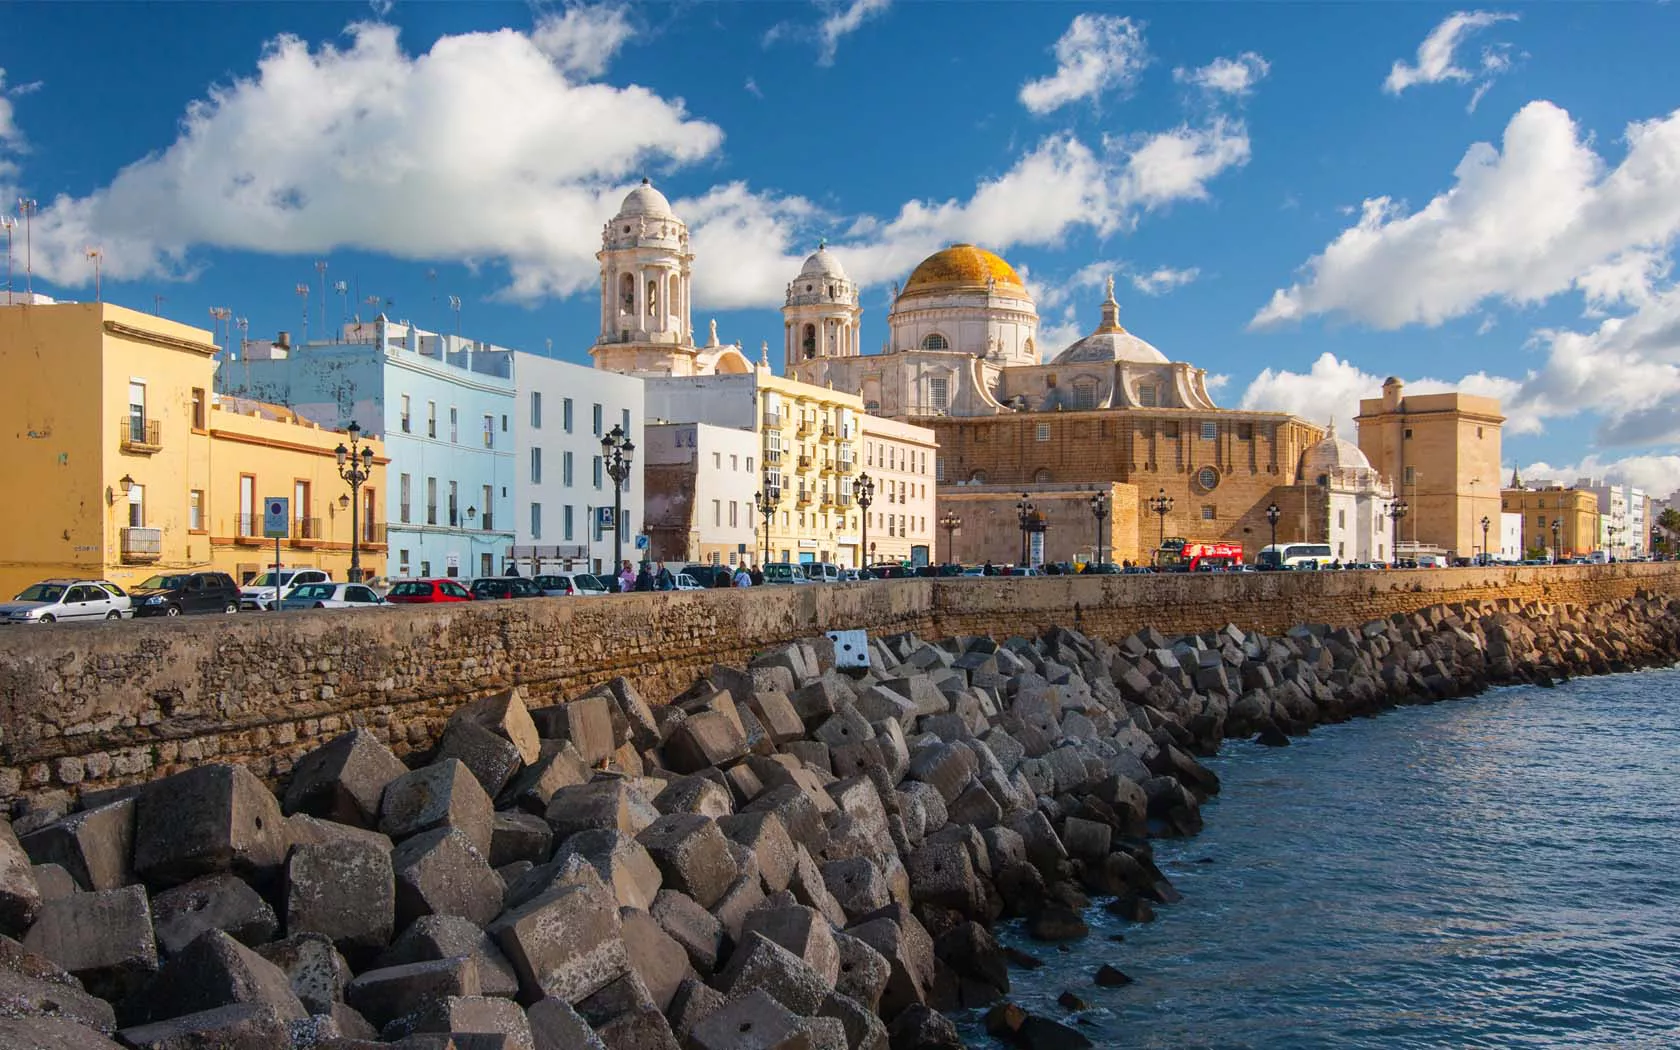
(642, 542)
(452, 560)
(604, 517)
(276, 519)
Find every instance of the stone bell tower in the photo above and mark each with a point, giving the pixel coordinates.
(645, 275)
(821, 316)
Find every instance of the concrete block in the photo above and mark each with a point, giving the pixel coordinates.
(305, 830)
(624, 864)
(864, 972)
(697, 930)
(909, 953)
(434, 937)
(555, 1025)
(857, 885)
(975, 807)
(800, 812)
(440, 872)
(695, 794)
(385, 994)
(643, 1028)
(442, 795)
(470, 1016)
(94, 846)
(926, 798)
(24, 995)
(1086, 838)
(612, 804)
(743, 896)
(765, 835)
(242, 1026)
(849, 760)
(710, 738)
(50, 1033)
(214, 902)
(944, 767)
(587, 722)
(756, 1021)
(942, 875)
(656, 957)
(922, 1028)
(348, 893)
(693, 1003)
(860, 1028)
(845, 726)
(692, 855)
(802, 931)
(53, 881)
(879, 703)
(922, 693)
(491, 759)
(314, 969)
(506, 715)
(559, 765)
(343, 779)
(777, 714)
(516, 836)
(811, 754)
(759, 963)
(205, 820)
(104, 938)
(810, 888)
(213, 971)
(566, 943)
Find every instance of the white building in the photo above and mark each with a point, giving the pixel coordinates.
(1510, 537)
(900, 459)
(1624, 517)
(561, 482)
(701, 485)
(1355, 497)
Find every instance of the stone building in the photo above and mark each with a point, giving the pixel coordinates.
(1354, 499)
(1442, 453)
(701, 482)
(1557, 521)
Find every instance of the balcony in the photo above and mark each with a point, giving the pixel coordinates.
(845, 500)
(140, 436)
(772, 455)
(306, 531)
(827, 432)
(804, 464)
(805, 428)
(373, 534)
(804, 498)
(772, 419)
(141, 545)
(247, 528)
(830, 501)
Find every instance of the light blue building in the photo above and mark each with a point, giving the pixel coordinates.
(443, 406)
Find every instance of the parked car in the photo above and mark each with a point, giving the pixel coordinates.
(685, 582)
(1101, 568)
(260, 592)
(821, 572)
(709, 575)
(889, 570)
(185, 593)
(568, 584)
(504, 587)
(53, 600)
(427, 592)
(333, 596)
(784, 572)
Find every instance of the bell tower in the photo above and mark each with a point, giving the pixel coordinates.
(820, 317)
(645, 274)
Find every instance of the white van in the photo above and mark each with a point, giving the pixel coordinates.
(821, 572)
(1431, 561)
(1598, 558)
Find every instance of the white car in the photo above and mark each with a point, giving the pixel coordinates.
(260, 592)
(333, 596)
(577, 584)
(685, 582)
(51, 601)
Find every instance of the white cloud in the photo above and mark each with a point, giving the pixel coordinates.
(1437, 55)
(1226, 76)
(583, 39)
(841, 22)
(1333, 387)
(1178, 164)
(1520, 225)
(1061, 333)
(1658, 474)
(1097, 53)
(11, 139)
(1163, 279)
(752, 88)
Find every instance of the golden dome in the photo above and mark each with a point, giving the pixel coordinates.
(963, 267)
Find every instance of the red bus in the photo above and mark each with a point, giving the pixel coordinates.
(1179, 555)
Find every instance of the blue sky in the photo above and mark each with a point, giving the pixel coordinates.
(1301, 199)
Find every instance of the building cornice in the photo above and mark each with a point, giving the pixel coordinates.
(168, 342)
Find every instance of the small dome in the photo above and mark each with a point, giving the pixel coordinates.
(1111, 346)
(1332, 454)
(963, 267)
(647, 201)
(823, 263)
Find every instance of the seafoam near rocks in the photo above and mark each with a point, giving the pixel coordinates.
(792, 854)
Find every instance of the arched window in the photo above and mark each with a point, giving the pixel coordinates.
(1147, 396)
(810, 341)
(1085, 393)
(935, 341)
(1029, 347)
(653, 298)
(977, 478)
(627, 294)
(1041, 476)
(673, 295)
(1207, 478)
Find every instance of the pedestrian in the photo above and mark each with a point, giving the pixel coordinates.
(663, 580)
(742, 577)
(644, 577)
(989, 569)
(757, 575)
(626, 577)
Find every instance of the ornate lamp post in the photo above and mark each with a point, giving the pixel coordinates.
(1023, 514)
(1162, 505)
(1486, 557)
(618, 451)
(863, 491)
(1397, 511)
(950, 523)
(767, 499)
(1099, 510)
(355, 466)
(1557, 539)
(1274, 514)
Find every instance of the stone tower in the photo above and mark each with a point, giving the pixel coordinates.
(820, 316)
(645, 274)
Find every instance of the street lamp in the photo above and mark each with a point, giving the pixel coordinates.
(1023, 514)
(1162, 505)
(1099, 510)
(1486, 521)
(355, 466)
(1398, 511)
(1274, 513)
(950, 523)
(1557, 539)
(767, 498)
(863, 490)
(617, 451)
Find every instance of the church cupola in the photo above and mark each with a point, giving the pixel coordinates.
(821, 314)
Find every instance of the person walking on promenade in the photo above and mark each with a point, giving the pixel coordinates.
(644, 578)
(742, 577)
(663, 580)
(626, 577)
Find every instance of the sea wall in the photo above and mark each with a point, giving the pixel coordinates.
(95, 706)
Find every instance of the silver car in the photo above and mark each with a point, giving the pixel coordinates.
(333, 596)
(51, 601)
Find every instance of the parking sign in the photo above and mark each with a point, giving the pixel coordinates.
(276, 519)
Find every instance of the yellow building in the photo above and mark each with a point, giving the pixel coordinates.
(1441, 453)
(1557, 521)
(109, 451)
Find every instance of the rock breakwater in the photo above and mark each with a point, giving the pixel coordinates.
(794, 854)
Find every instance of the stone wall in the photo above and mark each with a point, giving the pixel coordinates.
(98, 706)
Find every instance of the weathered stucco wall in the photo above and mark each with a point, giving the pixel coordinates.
(97, 706)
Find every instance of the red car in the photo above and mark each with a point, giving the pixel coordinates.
(427, 592)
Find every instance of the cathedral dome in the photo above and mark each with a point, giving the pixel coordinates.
(644, 200)
(963, 267)
(823, 263)
(1110, 342)
(1332, 454)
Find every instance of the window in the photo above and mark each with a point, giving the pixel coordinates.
(536, 521)
(402, 561)
(1041, 476)
(935, 341)
(455, 504)
(1207, 478)
(598, 432)
(1146, 396)
(1408, 433)
(431, 419)
(1245, 431)
(749, 464)
(486, 519)
(1207, 512)
(717, 460)
(407, 424)
(195, 510)
(198, 408)
(1210, 431)
(536, 410)
(489, 431)
(939, 393)
(1042, 432)
(1341, 519)
(1084, 395)
(566, 415)
(1540, 521)
(626, 422)
(431, 501)
(248, 523)
(1169, 430)
(137, 408)
(566, 522)
(597, 471)
(734, 462)
(300, 508)
(717, 512)
(454, 424)
(137, 506)
(402, 499)
(536, 466)
(1411, 476)
(734, 514)
(566, 469)
(1478, 431)
(938, 470)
